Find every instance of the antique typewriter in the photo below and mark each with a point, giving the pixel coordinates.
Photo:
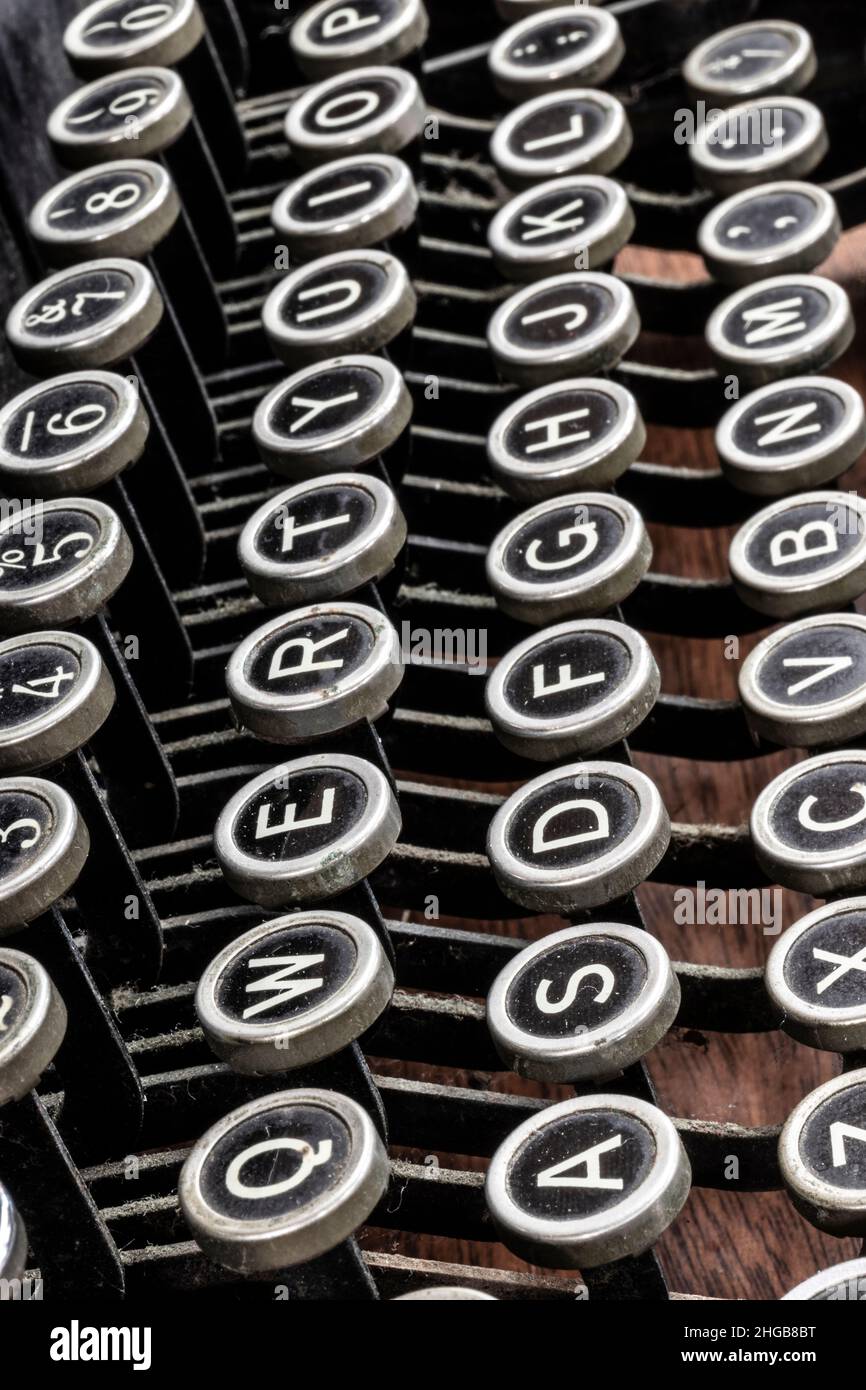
(432, 669)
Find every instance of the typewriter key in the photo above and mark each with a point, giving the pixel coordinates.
(581, 432)
(333, 37)
(755, 59)
(575, 131)
(32, 1024)
(563, 326)
(314, 671)
(283, 1179)
(378, 109)
(806, 554)
(54, 694)
(352, 203)
(352, 301)
(588, 1181)
(809, 824)
(583, 1003)
(842, 1282)
(571, 557)
(43, 847)
(780, 327)
(792, 434)
(575, 223)
(13, 1239)
(71, 433)
(60, 562)
(575, 688)
(341, 413)
(805, 684)
(307, 829)
(776, 138)
(293, 991)
(563, 47)
(578, 836)
(776, 229)
(322, 539)
(816, 977)
(822, 1155)
(450, 1293)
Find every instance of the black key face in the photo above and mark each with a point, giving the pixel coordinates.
(60, 418)
(766, 221)
(13, 1001)
(833, 1139)
(120, 102)
(565, 542)
(286, 974)
(309, 811)
(572, 822)
(805, 539)
(35, 679)
(576, 986)
(335, 194)
(745, 57)
(552, 41)
(560, 128)
(782, 314)
(336, 398)
(319, 523)
(581, 1165)
(567, 674)
(340, 25)
(274, 1164)
(51, 547)
(85, 300)
(826, 965)
(346, 107)
(559, 314)
(99, 198)
(823, 810)
(814, 666)
(26, 825)
(792, 418)
(561, 425)
(764, 129)
(557, 215)
(314, 654)
(126, 20)
(329, 297)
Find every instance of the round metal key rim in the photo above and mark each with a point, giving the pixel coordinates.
(824, 1205)
(806, 466)
(387, 133)
(805, 870)
(346, 860)
(830, 1028)
(812, 350)
(595, 61)
(585, 731)
(595, 351)
(831, 721)
(366, 558)
(320, 1030)
(262, 1243)
(112, 340)
(131, 234)
(607, 234)
(791, 76)
(164, 122)
(444, 1293)
(373, 326)
(293, 718)
(596, 464)
(593, 1052)
(72, 720)
(388, 215)
(797, 253)
(600, 155)
(392, 40)
(33, 1040)
(350, 446)
(795, 158)
(13, 1239)
(588, 1241)
(34, 888)
(178, 34)
(82, 465)
(600, 880)
(827, 1279)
